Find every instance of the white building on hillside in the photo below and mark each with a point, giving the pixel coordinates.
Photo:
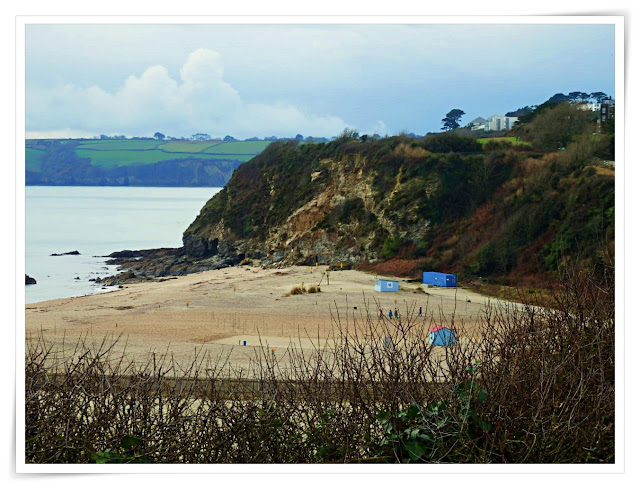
(499, 123)
(477, 124)
(589, 106)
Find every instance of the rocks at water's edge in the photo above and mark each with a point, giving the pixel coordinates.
(121, 278)
(160, 264)
(29, 280)
(74, 252)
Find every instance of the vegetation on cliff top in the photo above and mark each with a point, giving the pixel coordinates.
(444, 202)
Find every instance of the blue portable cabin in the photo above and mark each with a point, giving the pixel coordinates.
(440, 279)
(386, 285)
(441, 336)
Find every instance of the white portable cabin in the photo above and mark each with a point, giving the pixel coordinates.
(386, 285)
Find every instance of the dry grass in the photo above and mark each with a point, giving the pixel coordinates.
(406, 150)
(297, 290)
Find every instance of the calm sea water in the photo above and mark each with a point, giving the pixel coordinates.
(97, 221)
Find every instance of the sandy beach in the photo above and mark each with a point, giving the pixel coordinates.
(216, 312)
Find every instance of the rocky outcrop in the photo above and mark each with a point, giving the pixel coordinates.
(75, 252)
(164, 262)
(127, 277)
(29, 280)
(440, 203)
(345, 202)
(338, 208)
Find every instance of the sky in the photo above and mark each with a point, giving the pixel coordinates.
(260, 80)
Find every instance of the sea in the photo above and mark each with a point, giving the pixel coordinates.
(96, 221)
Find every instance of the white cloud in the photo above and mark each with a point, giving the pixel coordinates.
(200, 101)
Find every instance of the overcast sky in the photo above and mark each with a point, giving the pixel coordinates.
(264, 80)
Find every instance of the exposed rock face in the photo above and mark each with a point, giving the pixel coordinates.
(439, 202)
(75, 252)
(325, 210)
(29, 280)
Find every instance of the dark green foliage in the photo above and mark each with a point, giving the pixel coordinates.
(448, 143)
(587, 218)
(529, 116)
(609, 126)
(390, 247)
(556, 127)
(125, 454)
(606, 145)
(438, 431)
(452, 120)
(519, 112)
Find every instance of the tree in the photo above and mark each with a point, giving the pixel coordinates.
(158, 135)
(201, 136)
(452, 120)
(597, 96)
(520, 112)
(576, 96)
(556, 127)
(558, 97)
(348, 134)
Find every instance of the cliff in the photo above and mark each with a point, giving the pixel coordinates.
(401, 205)
(326, 203)
(511, 213)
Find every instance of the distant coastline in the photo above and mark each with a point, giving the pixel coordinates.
(135, 162)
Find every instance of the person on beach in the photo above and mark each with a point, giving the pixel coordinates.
(396, 313)
(381, 313)
(420, 312)
(390, 314)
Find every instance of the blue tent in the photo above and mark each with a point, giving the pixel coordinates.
(441, 336)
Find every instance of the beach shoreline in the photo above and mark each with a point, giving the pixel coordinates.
(216, 312)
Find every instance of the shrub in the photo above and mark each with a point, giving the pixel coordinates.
(297, 290)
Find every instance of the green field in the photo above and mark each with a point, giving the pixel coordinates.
(32, 159)
(240, 148)
(511, 140)
(111, 159)
(111, 153)
(115, 145)
(188, 146)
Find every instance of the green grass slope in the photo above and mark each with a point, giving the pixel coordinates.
(33, 159)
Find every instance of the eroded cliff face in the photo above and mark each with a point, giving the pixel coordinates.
(439, 202)
(344, 216)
